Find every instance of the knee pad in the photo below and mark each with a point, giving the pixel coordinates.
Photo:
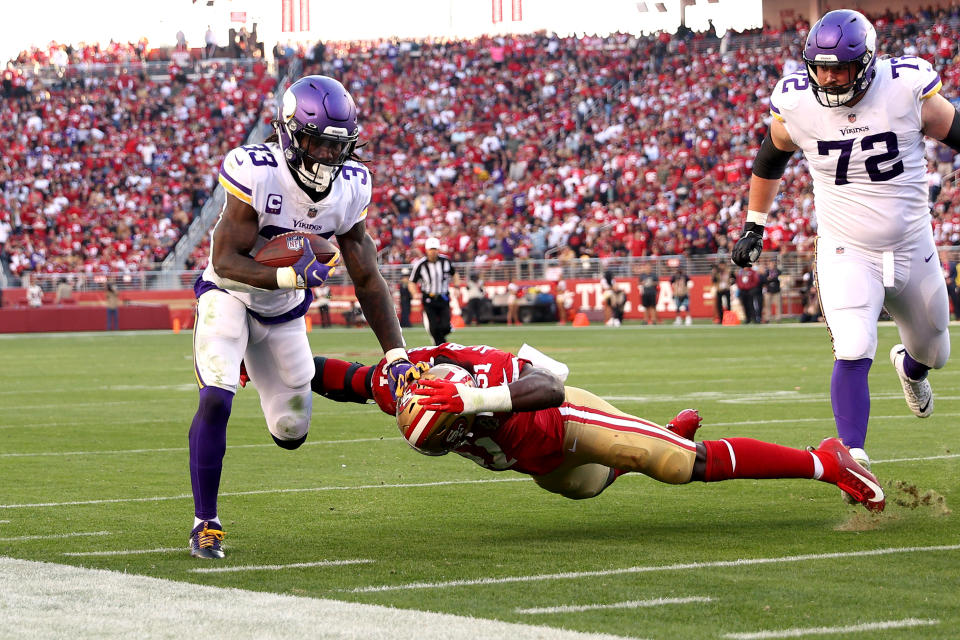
(579, 482)
(288, 414)
(854, 342)
(662, 461)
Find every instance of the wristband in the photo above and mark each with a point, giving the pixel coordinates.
(494, 399)
(757, 217)
(286, 278)
(397, 353)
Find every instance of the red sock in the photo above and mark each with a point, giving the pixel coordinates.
(340, 376)
(748, 458)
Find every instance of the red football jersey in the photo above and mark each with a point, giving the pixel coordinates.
(528, 442)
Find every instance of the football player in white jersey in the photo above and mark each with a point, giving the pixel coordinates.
(305, 178)
(860, 123)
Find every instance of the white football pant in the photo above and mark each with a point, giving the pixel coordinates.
(277, 357)
(855, 284)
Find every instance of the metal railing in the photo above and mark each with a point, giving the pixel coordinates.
(514, 271)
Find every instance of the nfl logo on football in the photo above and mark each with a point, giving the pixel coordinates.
(295, 243)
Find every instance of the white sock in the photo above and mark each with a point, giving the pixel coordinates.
(817, 467)
(197, 521)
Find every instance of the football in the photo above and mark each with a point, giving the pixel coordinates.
(285, 249)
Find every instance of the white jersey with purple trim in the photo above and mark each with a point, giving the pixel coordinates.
(258, 175)
(867, 161)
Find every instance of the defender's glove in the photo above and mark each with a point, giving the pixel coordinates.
(441, 395)
(450, 397)
(306, 272)
(401, 374)
(748, 247)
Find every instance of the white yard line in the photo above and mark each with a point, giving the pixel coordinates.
(56, 536)
(182, 449)
(122, 552)
(184, 496)
(743, 562)
(57, 601)
(630, 604)
(412, 485)
(280, 567)
(854, 628)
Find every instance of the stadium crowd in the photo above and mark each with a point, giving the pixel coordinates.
(506, 148)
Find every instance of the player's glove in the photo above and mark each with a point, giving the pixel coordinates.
(401, 373)
(748, 247)
(450, 397)
(441, 395)
(306, 272)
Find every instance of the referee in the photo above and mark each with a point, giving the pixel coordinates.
(434, 273)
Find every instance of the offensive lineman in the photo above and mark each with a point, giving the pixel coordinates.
(306, 177)
(859, 122)
(572, 442)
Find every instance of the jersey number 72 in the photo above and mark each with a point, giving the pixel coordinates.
(872, 163)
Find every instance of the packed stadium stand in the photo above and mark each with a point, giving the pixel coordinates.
(508, 148)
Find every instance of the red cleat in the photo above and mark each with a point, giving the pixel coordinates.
(244, 377)
(849, 475)
(686, 423)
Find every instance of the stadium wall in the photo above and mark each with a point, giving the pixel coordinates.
(171, 309)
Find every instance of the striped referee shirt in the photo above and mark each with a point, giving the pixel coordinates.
(433, 277)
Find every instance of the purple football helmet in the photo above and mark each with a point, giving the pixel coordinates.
(839, 38)
(318, 129)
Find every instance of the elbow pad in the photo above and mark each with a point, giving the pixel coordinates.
(953, 136)
(771, 162)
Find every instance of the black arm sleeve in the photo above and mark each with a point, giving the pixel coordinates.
(953, 136)
(770, 161)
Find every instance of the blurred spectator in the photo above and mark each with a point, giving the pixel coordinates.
(751, 294)
(63, 294)
(113, 307)
(649, 292)
(475, 300)
(772, 301)
(405, 298)
(950, 276)
(34, 293)
(721, 278)
(210, 38)
(514, 294)
(680, 283)
(564, 298)
(321, 302)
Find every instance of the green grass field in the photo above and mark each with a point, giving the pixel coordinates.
(94, 442)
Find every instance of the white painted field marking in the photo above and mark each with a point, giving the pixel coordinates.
(630, 604)
(182, 449)
(184, 496)
(4, 522)
(280, 567)
(754, 398)
(122, 552)
(58, 601)
(855, 628)
(412, 485)
(743, 562)
(56, 536)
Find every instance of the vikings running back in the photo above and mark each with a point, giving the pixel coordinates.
(306, 177)
(860, 122)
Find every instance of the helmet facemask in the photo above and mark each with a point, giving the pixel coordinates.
(838, 39)
(317, 129)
